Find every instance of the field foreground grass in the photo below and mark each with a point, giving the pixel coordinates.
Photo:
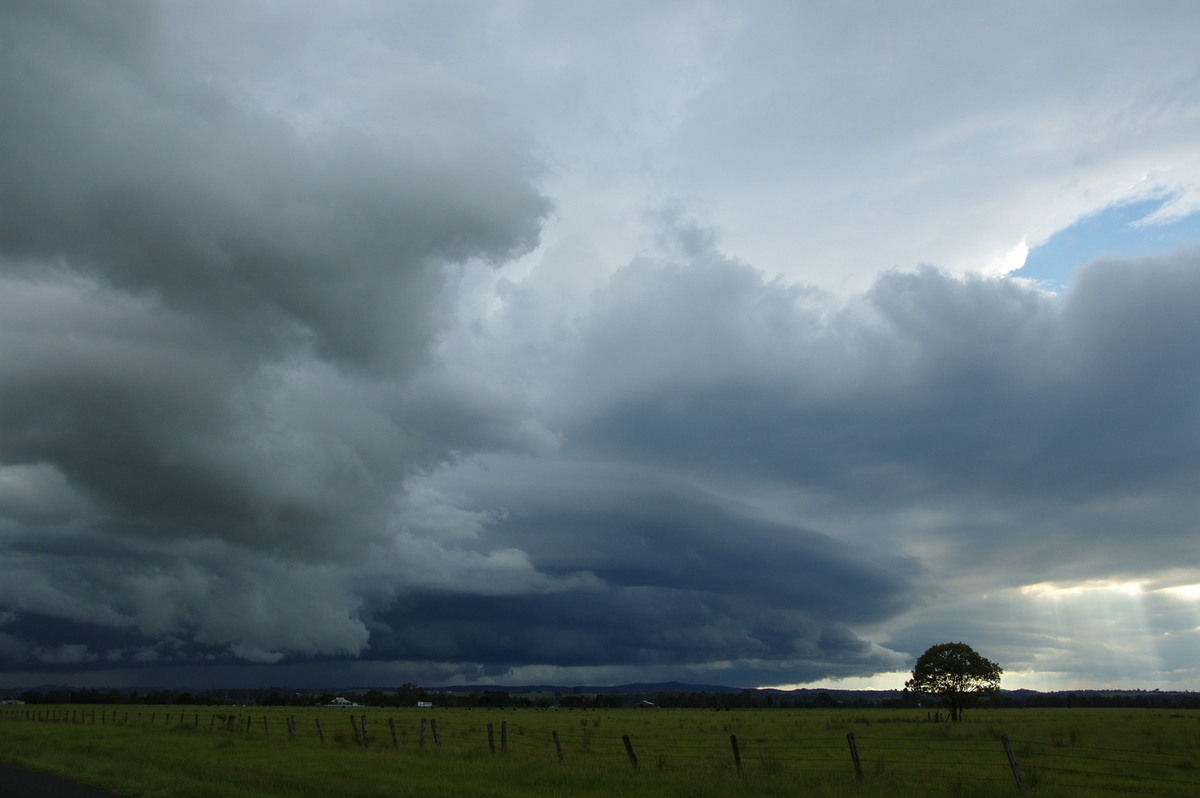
(251, 752)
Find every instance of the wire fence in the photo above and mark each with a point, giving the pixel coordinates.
(1023, 764)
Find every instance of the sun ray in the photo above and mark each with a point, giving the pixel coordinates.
(1122, 630)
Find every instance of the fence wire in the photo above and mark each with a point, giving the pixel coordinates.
(1042, 764)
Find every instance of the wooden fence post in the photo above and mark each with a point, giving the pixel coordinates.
(266, 733)
(504, 737)
(854, 755)
(557, 747)
(737, 755)
(629, 750)
(437, 738)
(392, 728)
(1012, 762)
(491, 739)
(363, 720)
(320, 734)
(354, 728)
(421, 737)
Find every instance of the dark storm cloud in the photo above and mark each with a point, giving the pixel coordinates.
(188, 280)
(253, 412)
(930, 384)
(679, 580)
(160, 182)
(630, 628)
(672, 539)
(216, 324)
(855, 463)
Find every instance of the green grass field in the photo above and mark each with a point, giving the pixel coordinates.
(227, 751)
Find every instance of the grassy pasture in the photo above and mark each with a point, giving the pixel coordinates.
(226, 751)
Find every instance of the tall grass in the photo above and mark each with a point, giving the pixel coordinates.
(1075, 752)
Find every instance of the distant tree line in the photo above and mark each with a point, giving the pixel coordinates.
(409, 695)
(1119, 699)
(75, 695)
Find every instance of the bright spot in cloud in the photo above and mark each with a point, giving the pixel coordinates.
(1053, 591)
(1012, 260)
(1183, 591)
(890, 680)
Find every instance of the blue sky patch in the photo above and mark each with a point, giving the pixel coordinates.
(1113, 232)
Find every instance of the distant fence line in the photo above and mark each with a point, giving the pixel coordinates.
(497, 739)
(819, 753)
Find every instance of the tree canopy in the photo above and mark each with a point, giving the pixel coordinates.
(956, 673)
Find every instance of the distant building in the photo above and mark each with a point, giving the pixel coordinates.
(644, 704)
(424, 705)
(341, 702)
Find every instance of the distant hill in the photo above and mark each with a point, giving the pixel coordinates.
(665, 694)
(641, 687)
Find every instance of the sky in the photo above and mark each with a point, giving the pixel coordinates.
(760, 344)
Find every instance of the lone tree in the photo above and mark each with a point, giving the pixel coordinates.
(956, 673)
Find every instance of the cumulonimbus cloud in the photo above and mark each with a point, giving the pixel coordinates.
(216, 326)
(244, 417)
